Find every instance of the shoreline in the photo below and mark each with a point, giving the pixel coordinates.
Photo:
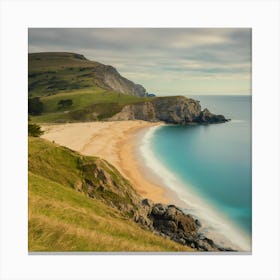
(116, 142)
(121, 143)
(215, 225)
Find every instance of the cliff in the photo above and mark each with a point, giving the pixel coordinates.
(52, 72)
(174, 110)
(108, 77)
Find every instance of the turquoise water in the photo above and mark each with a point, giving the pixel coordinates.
(215, 160)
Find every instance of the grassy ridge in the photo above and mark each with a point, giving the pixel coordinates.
(49, 73)
(57, 76)
(61, 218)
(88, 105)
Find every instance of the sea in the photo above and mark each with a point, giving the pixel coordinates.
(209, 168)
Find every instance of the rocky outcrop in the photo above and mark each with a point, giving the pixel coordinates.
(207, 117)
(171, 222)
(108, 77)
(174, 110)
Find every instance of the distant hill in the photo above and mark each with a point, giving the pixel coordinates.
(73, 88)
(52, 72)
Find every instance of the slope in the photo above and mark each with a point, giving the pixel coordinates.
(79, 203)
(51, 72)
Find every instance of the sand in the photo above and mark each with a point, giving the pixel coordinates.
(115, 142)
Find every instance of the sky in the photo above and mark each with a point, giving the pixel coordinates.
(198, 61)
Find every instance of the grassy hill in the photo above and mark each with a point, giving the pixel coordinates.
(79, 203)
(88, 105)
(90, 85)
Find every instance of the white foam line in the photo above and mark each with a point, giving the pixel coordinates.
(237, 121)
(214, 224)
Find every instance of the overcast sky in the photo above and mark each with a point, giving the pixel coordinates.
(164, 61)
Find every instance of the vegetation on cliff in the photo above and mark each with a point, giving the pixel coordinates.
(79, 203)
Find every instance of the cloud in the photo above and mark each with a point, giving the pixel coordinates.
(147, 54)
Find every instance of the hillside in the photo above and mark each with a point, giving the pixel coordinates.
(96, 91)
(67, 87)
(51, 72)
(79, 203)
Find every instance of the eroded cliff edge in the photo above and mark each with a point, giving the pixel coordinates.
(173, 110)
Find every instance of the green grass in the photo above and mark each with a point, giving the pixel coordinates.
(83, 98)
(88, 105)
(61, 218)
(57, 76)
(49, 73)
(43, 156)
(94, 176)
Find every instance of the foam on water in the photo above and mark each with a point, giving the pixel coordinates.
(215, 225)
(237, 121)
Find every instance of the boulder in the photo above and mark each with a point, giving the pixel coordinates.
(197, 222)
(207, 117)
(168, 227)
(147, 202)
(158, 210)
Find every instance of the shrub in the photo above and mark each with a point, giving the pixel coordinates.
(35, 106)
(34, 130)
(64, 103)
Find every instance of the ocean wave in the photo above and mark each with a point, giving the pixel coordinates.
(214, 224)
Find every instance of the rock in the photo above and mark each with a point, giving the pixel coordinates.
(165, 226)
(207, 117)
(147, 202)
(174, 110)
(144, 221)
(188, 237)
(181, 241)
(173, 206)
(202, 245)
(170, 213)
(107, 77)
(173, 222)
(158, 210)
(197, 222)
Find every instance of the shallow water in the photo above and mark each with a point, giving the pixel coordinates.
(213, 162)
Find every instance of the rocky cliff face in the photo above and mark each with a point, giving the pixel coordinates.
(175, 110)
(171, 222)
(108, 77)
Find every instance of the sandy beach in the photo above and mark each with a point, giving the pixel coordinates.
(115, 142)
